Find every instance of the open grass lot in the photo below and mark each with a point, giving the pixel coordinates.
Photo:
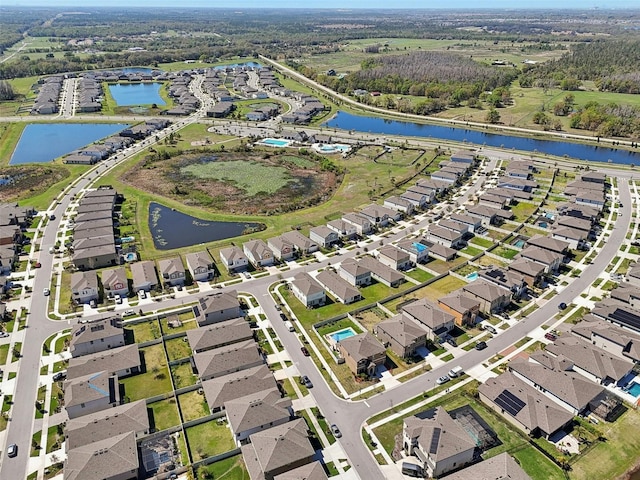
(231, 468)
(164, 414)
(182, 375)
(522, 211)
(441, 266)
(193, 405)
(178, 348)
(154, 381)
(145, 331)
(420, 275)
(209, 438)
(432, 291)
(483, 242)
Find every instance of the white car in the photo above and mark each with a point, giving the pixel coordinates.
(46, 292)
(442, 380)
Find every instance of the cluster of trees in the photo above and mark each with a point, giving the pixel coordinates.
(6, 91)
(614, 65)
(609, 120)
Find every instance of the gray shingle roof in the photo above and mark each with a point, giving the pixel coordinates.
(106, 458)
(500, 467)
(110, 361)
(236, 385)
(362, 346)
(256, 409)
(218, 334)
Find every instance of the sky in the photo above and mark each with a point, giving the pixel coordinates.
(352, 4)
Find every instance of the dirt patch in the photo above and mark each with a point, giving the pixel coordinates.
(18, 182)
(238, 182)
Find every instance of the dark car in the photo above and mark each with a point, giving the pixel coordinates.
(304, 380)
(550, 336)
(60, 376)
(52, 217)
(562, 306)
(481, 345)
(284, 317)
(304, 351)
(452, 341)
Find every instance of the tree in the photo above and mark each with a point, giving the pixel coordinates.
(493, 116)
(6, 91)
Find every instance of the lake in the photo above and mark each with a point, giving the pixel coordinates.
(44, 142)
(171, 229)
(246, 64)
(347, 121)
(128, 94)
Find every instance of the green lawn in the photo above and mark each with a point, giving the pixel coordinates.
(483, 242)
(178, 348)
(209, 439)
(164, 414)
(4, 352)
(145, 331)
(505, 252)
(193, 405)
(183, 376)
(154, 381)
(472, 251)
(232, 468)
(420, 275)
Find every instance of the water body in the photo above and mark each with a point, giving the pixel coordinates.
(171, 229)
(44, 142)
(127, 94)
(347, 121)
(136, 70)
(246, 64)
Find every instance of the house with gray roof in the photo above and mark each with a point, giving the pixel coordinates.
(572, 209)
(590, 361)
(505, 278)
(517, 183)
(573, 236)
(172, 271)
(616, 340)
(282, 248)
(258, 253)
(394, 258)
(633, 274)
(354, 272)
(492, 297)
(361, 223)
(302, 244)
(454, 226)
(338, 287)
(627, 293)
(437, 322)
(618, 313)
(310, 471)
(277, 450)
(234, 258)
(417, 199)
(568, 389)
(400, 204)
(436, 185)
(218, 307)
(114, 458)
(550, 260)
(492, 200)
(129, 417)
(228, 359)
(255, 412)
(548, 243)
(443, 176)
(144, 276)
(362, 353)
(96, 336)
(438, 251)
(84, 287)
(438, 441)
(472, 223)
(121, 361)
(114, 281)
(378, 215)
(428, 192)
(402, 335)
(594, 177)
(467, 157)
(524, 406)
(306, 289)
(323, 236)
(444, 236)
(418, 252)
(201, 266)
(91, 393)
(219, 334)
(574, 222)
(487, 215)
(219, 390)
(532, 272)
(464, 309)
(381, 272)
(500, 467)
(590, 198)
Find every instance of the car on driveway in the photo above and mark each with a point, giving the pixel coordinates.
(304, 380)
(304, 351)
(442, 380)
(550, 336)
(12, 450)
(335, 430)
(481, 345)
(489, 328)
(46, 292)
(452, 341)
(4, 334)
(128, 313)
(60, 376)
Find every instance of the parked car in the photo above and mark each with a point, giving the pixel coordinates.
(481, 345)
(550, 336)
(489, 328)
(304, 380)
(128, 313)
(562, 306)
(4, 334)
(37, 265)
(452, 341)
(12, 450)
(335, 430)
(284, 317)
(60, 376)
(117, 298)
(442, 380)
(304, 351)
(142, 294)
(46, 292)
(52, 217)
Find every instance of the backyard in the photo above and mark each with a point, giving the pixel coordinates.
(154, 381)
(208, 439)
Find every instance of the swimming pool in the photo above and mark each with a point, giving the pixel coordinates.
(472, 276)
(550, 216)
(419, 247)
(519, 244)
(635, 389)
(332, 148)
(342, 334)
(543, 224)
(275, 142)
(131, 257)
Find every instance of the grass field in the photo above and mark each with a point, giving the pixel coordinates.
(193, 405)
(209, 439)
(165, 413)
(154, 381)
(232, 468)
(183, 376)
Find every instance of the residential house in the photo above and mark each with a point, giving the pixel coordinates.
(382, 273)
(428, 192)
(323, 236)
(277, 450)
(402, 335)
(256, 412)
(144, 276)
(282, 248)
(378, 215)
(439, 252)
(302, 244)
(218, 307)
(115, 282)
(306, 289)
(532, 272)
(572, 209)
(447, 177)
(121, 361)
(613, 339)
(472, 223)
(548, 243)
(258, 253)
(486, 215)
(219, 334)
(594, 177)
(444, 236)
(439, 442)
(310, 471)
(362, 225)
(628, 294)
(437, 322)
(84, 287)
(228, 359)
(516, 183)
(509, 279)
(234, 259)
(418, 252)
(338, 287)
(492, 201)
(549, 259)
(454, 226)
(201, 266)
(467, 157)
(172, 271)
(418, 200)
(575, 223)
(618, 313)
(220, 390)
(355, 273)
(394, 258)
(591, 199)
(114, 458)
(96, 336)
(492, 297)
(464, 309)
(91, 393)
(633, 275)
(95, 257)
(573, 236)
(400, 204)
(524, 406)
(500, 467)
(344, 229)
(362, 353)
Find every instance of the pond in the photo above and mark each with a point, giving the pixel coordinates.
(44, 142)
(128, 94)
(171, 229)
(246, 64)
(347, 121)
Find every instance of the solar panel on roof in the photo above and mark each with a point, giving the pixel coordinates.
(433, 448)
(627, 318)
(509, 403)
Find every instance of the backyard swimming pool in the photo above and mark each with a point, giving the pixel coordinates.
(472, 276)
(342, 334)
(635, 389)
(519, 244)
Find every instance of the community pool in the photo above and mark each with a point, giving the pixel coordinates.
(342, 334)
(331, 148)
(275, 142)
(635, 389)
(472, 276)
